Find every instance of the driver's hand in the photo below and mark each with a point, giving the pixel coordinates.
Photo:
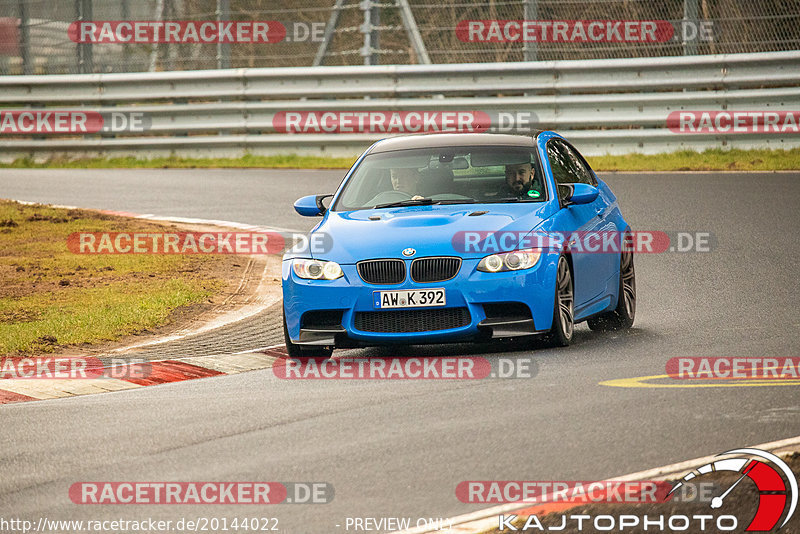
(417, 197)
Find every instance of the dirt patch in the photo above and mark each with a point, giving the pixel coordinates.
(250, 280)
(39, 276)
(257, 279)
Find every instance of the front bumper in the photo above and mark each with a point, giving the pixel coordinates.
(470, 289)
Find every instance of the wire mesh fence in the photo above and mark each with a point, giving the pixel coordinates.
(46, 37)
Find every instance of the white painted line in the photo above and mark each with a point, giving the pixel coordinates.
(483, 520)
(29, 203)
(217, 222)
(51, 388)
(186, 220)
(260, 349)
(234, 363)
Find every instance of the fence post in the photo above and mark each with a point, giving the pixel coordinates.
(690, 17)
(83, 10)
(25, 38)
(530, 50)
(413, 32)
(333, 19)
(126, 51)
(223, 49)
(372, 16)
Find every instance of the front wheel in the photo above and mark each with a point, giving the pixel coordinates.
(299, 351)
(563, 328)
(622, 316)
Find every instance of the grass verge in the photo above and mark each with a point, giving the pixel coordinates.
(289, 161)
(50, 297)
(708, 160)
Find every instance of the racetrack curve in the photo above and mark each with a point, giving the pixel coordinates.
(399, 448)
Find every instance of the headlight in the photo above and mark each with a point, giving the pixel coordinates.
(316, 269)
(510, 261)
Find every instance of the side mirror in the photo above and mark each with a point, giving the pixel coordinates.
(311, 205)
(579, 193)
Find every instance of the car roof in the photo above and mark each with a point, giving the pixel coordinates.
(435, 140)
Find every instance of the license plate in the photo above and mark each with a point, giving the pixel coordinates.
(408, 298)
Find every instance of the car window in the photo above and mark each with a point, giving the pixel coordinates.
(567, 165)
(449, 175)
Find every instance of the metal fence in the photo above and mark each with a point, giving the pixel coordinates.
(34, 33)
(613, 106)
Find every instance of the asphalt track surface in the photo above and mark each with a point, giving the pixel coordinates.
(252, 196)
(399, 448)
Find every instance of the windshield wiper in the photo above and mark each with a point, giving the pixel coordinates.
(509, 199)
(426, 202)
(408, 202)
(458, 201)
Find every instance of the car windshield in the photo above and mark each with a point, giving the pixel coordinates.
(450, 175)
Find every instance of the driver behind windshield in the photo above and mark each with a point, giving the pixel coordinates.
(520, 181)
(406, 181)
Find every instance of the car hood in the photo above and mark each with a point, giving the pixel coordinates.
(351, 236)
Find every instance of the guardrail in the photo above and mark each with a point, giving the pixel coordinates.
(604, 106)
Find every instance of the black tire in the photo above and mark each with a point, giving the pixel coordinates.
(563, 328)
(623, 315)
(299, 351)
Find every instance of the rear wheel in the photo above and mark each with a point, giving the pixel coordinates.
(300, 351)
(563, 328)
(622, 316)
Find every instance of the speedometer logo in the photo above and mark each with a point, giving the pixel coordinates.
(772, 491)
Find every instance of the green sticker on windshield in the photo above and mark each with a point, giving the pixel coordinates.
(533, 193)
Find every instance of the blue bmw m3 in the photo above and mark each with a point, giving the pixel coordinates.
(459, 237)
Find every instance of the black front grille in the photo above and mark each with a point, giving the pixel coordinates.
(382, 271)
(434, 269)
(400, 321)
